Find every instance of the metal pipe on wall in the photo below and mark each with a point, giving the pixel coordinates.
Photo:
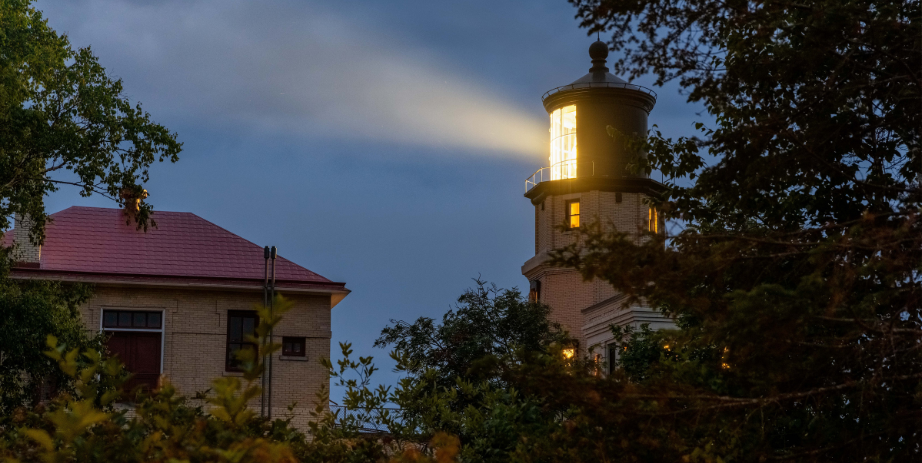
(273, 255)
(262, 393)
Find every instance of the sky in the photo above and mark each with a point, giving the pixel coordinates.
(383, 144)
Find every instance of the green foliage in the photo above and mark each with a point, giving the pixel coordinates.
(29, 312)
(355, 430)
(638, 351)
(62, 117)
(91, 424)
(458, 373)
(488, 324)
(94, 423)
(63, 120)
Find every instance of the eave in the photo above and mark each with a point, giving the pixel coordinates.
(336, 291)
(579, 185)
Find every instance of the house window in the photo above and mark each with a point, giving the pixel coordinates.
(293, 347)
(573, 214)
(652, 220)
(131, 319)
(240, 327)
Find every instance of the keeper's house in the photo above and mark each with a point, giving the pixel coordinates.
(176, 301)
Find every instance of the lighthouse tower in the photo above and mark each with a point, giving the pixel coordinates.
(587, 181)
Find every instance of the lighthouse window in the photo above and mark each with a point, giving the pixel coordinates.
(563, 143)
(573, 214)
(653, 218)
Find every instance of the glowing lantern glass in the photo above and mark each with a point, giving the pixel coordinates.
(563, 143)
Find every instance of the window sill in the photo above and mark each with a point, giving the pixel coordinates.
(232, 373)
(289, 358)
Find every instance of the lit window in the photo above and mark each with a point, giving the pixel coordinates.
(534, 291)
(563, 143)
(568, 353)
(653, 220)
(573, 214)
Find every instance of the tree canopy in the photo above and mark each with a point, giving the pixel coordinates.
(29, 312)
(793, 265)
(65, 120)
(488, 324)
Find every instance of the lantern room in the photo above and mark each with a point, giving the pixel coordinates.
(580, 114)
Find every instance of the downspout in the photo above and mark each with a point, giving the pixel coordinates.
(273, 253)
(262, 393)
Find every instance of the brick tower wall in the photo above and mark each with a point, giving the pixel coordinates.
(564, 289)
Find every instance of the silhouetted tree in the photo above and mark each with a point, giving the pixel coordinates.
(794, 264)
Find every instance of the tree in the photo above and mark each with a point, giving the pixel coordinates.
(457, 373)
(63, 120)
(487, 325)
(29, 312)
(795, 263)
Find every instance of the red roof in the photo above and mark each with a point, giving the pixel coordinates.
(85, 241)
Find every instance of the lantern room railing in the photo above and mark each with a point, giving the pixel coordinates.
(628, 86)
(560, 171)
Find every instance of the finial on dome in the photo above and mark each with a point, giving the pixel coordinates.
(598, 51)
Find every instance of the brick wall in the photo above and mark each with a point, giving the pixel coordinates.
(564, 289)
(25, 250)
(195, 324)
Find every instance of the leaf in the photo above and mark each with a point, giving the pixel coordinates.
(41, 438)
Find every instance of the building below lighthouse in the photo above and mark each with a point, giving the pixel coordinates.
(585, 182)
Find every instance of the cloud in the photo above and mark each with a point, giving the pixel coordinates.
(296, 69)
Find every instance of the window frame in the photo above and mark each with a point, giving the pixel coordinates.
(570, 215)
(612, 356)
(563, 142)
(286, 340)
(243, 314)
(534, 291)
(103, 329)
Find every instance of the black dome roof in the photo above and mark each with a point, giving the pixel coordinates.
(598, 77)
(598, 73)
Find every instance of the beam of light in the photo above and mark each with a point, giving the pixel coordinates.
(298, 70)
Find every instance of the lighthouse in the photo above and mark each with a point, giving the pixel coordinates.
(587, 181)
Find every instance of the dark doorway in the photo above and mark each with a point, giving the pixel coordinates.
(140, 352)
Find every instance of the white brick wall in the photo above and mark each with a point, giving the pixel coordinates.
(25, 250)
(195, 326)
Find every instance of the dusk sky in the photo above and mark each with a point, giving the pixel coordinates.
(384, 144)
